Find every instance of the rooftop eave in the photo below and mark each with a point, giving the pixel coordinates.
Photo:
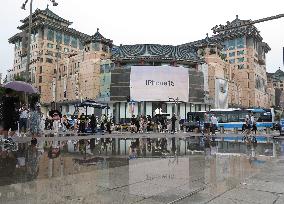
(44, 12)
(155, 58)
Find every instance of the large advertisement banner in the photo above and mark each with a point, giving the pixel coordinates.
(158, 83)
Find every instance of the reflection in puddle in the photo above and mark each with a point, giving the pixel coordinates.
(163, 168)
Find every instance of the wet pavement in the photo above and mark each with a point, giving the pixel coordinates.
(163, 170)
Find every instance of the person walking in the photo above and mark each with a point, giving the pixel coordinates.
(24, 113)
(82, 124)
(35, 120)
(173, 120)
(206, 123)
(93, 123)
(214, 123)
(108, 126)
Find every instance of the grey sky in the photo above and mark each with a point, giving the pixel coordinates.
(151, 21)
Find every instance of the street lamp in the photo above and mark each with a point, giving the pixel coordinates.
(29, 34)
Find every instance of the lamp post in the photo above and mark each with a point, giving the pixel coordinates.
(56, 74)
(176, 102)
(29, 35)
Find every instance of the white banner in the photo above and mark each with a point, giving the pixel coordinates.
(158, 83)
(221, 94)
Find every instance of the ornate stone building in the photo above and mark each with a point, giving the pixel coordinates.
(275, 82)
(225, 70)
(51, 41)
(244, 49)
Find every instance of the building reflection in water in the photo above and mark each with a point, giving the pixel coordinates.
(145, 167)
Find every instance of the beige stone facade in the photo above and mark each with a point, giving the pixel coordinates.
(245, 50)
(78, 77)
(51, 41)
(66, 65)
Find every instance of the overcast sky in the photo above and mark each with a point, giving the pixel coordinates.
(151, 21)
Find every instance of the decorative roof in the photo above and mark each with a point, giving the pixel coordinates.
(98, 37)
(235, 29)
(17, 36)
(155, 51)
(278, 75)
(208, 41)
(265, 47)
(53, 21)
(48, 13)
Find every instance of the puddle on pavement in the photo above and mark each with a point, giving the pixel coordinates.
(146, 168)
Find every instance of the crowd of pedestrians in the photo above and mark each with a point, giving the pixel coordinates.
(15, 117)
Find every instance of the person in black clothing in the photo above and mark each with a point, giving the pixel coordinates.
(9, 114)
(254, 128)
(108, 126)
(93, 123)
(173, 119)
(102, 127)
(82, 124)
(137, 124)
(46, 124)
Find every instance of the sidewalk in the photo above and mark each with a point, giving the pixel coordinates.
(265, 187)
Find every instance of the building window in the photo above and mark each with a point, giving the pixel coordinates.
(66, 40)
(242, 59)
(104, 48)
(241, 52)
(40, 79)
(54, 71)
(232, 61)
(49, 53)
(58, 55)
(39, 89)
(96, 46)
(231, 43)
(281, 85)
(49, 45)
(58, 37)
(49, 60)
(66, 50)
(74, 42)
(40, 69)
(240, 42)
(231, 54)
(50, 35)
(81, 47)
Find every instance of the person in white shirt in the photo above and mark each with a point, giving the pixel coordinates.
(214, 121)
(24, 114)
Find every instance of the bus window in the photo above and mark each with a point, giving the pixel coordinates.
(242, 117)
(233, 117)
(222, 118)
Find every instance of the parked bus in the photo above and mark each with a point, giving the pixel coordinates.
(235, 118)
